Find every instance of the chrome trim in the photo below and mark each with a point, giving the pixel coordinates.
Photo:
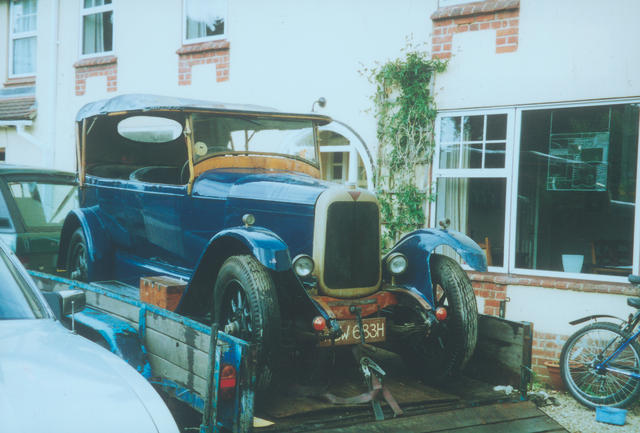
(390, 258)
(301, 256)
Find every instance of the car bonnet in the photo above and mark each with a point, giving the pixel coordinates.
(55, 381)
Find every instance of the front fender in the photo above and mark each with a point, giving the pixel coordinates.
(418, 246)
(267, 247)
(98, 245)
(594, 317)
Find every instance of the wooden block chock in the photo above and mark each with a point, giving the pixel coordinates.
(162, 291)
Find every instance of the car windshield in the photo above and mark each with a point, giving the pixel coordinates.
(224, 135)
(43, 205)
(17, 299)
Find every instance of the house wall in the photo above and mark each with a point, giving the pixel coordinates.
(282, 55)
(558, 52)
(565, 52)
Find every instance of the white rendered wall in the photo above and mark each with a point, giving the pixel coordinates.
(568, 50)
(551, 310)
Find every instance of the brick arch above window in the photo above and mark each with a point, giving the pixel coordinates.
(212, 52)
(499, 15)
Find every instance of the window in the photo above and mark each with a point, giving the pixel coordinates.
(341, 161)
(24, 20)
(43, 205)
(472, 178)
(562, 201)
(576, 189)
(204, 20)
(97, 27)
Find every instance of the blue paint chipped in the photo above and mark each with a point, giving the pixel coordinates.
(127, 342)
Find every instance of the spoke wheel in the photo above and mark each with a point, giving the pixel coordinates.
(77, 257)
(450, 344)
(590, 384)
(235, 315)
(246, 306)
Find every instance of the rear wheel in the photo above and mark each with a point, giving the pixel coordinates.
(451, 342)
(78, 257)
(246, 306)
(593, 386)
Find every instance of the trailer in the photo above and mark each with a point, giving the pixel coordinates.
(174, 353)
(206, 369)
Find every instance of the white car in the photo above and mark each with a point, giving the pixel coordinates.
(52, 380)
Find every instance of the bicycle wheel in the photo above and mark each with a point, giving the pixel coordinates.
(591, 386)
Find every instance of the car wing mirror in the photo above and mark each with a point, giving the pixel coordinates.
(65, 302)
(72, 301)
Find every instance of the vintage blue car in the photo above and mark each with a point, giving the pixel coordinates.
(229, 199)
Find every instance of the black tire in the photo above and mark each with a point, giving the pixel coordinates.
(448, 348)
(78, 257)
(246, 306)
(591, 387)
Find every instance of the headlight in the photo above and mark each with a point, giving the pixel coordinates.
(303, 265)
(397, 263)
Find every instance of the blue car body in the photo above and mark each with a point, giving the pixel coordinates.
(188, 218)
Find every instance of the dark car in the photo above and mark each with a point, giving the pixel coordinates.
(33, 205)
(229, 198)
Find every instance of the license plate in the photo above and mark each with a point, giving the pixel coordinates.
(374, 331)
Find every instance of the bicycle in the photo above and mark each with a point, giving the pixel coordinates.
(600, 363)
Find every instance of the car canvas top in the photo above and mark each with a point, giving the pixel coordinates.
(144, 102)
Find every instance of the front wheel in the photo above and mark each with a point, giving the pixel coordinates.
(246, 306)
(449, 346)
(77, 257)
(592, 385)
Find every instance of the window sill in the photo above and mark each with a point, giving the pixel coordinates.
(477, 8)
(95, 61)
(553, 283)
(20, 81)
(200, 47)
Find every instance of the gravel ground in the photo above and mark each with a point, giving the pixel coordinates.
(578, 419)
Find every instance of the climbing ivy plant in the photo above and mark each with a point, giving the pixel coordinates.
(405, 110)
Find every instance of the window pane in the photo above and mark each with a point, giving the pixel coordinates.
(94, 3)
(475, 207)
(450, 129)
(494, 155)
(497, 127)
(476, 152)
(98, 33)
(473, 127)
(576, 189)
(449, 155)
(43, 205)
(204, 18)
(24, 14)
(472, 155)
(24, 56)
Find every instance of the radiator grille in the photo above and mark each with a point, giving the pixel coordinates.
(352, 250)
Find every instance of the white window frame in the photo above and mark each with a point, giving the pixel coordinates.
(512, 157)
(97, 10)
(478, 173)
(186, 41)
(23, 35)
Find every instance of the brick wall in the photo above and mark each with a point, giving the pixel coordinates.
(214, 52)
(501, 16)
(492, 288)
(95, 67)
